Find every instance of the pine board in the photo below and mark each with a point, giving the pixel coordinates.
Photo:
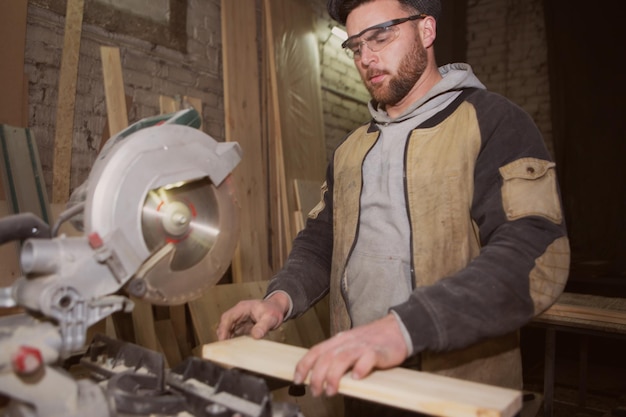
(411, 390)
(297, 141)
(587, 311)
(243, 125)
(308, 195)
(114, 89)
(12, 43)
(9, 254)
(305, 331)
(64, 132)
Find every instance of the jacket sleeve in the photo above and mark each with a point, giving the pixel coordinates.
(306, 273)
(524, 258)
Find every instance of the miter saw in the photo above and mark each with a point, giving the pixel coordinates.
(159, 222)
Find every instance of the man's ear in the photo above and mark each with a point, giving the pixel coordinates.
(429, 31)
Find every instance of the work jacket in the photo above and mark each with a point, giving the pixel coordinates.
(489, 248)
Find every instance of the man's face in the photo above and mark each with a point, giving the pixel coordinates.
(391, 73)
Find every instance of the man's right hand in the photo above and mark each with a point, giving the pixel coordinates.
(253, 317)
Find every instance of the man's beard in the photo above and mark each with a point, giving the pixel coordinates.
(411, 69)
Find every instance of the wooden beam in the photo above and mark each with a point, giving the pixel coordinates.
(106, 135)
(296, 96)
(587, 313)
(12, 43)
(308, 195)
(404, 388)
(142, 314)
(114, 89)
(243, 125)
(168, 104)
(64, 132)
(278, 182)
(196, 103)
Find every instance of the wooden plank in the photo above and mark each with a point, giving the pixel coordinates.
(281, 222)
(296, 95)
(22, 173)
(114, 89)
(166, 336)
(178, 313)
(182, 328)
(408, 389)
(587, 311)
(305, 331)
(143, 325)
(9, 255)
(168, 104)
(142, 315)
(243, 125)
(106, 134)
(308, 195)
(64, 132)
(196, 103)
(12, 43)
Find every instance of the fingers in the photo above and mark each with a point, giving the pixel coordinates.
(254, 317)
(229, 324)
(326, 363)
(265, 324)
(340, 365)
(236, 321)
(378, 345)
(364, 365)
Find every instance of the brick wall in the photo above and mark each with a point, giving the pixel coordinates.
(508, 51)
(344, 98)
(506, 47)
(149, 71)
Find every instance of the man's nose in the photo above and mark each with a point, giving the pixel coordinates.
(367, 55)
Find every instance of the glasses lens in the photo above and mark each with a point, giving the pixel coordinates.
(353, 50)
(379, 38)
(375, 39)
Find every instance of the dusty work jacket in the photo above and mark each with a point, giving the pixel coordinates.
(489, 248)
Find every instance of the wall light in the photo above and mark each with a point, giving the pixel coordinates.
(340, 33)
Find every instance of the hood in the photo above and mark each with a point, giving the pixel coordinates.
(456, 77)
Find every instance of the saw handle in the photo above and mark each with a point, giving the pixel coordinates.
(22, 226)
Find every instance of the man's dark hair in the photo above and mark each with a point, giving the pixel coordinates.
(340, 9)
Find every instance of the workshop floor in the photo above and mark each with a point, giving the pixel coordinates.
(606, 374)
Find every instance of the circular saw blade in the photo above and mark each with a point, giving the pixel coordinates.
(186, 216)
(199, 220)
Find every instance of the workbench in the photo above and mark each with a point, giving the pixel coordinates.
(583, 314)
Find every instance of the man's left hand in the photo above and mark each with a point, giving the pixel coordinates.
(377, 345)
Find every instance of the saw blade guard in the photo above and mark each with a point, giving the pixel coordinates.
(163, 206)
